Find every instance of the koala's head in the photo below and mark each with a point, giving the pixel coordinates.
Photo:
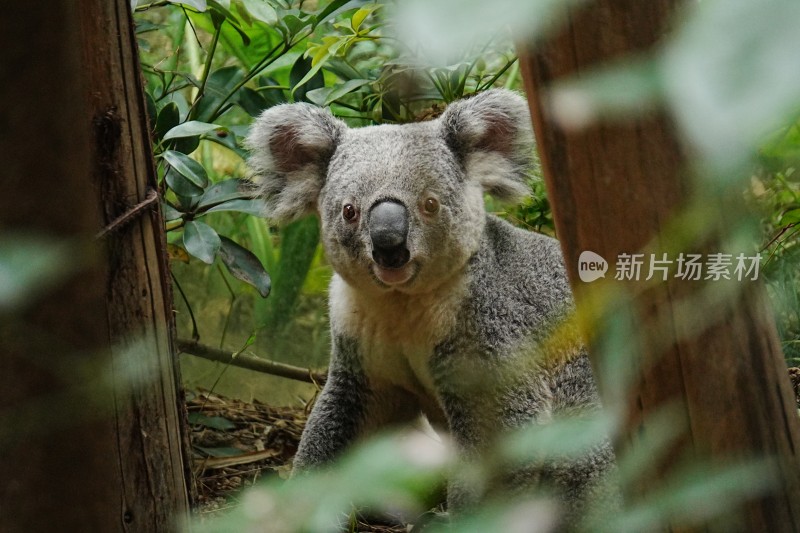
(401, 206)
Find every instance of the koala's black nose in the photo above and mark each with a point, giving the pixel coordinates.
(388, 229)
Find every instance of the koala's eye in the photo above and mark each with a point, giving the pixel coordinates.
(349, 212)
(431, 206)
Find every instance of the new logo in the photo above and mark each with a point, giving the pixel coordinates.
(591, 266)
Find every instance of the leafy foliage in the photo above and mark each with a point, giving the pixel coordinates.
(211, 66)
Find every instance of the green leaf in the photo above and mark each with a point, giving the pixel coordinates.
(168, 118)
(618, 90)
(290, 25)
(360, 15)
(261, 10)
(30, 264)
(245, 266)
(224, 5)
(331, 9)
(214, 422)
(187, 203)
(345, 88)
(199, 5)
(790, 217)
(218, 85)
(252, 101)
(261, 242)
(224, 191)
(299, 242)
(319, 96)
(170, 213)
(325, 96)
(181, 186)
(187, 167)
(251, 207)
(145, 26)
(303, 78)
(221, 13)
(201, 241)
(228, 140)
(191, 128)
(732, 74)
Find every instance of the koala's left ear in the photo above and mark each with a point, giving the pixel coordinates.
(491, 135)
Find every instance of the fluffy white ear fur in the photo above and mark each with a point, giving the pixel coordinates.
(492, 136)
(290, 147)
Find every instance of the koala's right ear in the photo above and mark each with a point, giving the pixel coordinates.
(491, 135)
(290, 148)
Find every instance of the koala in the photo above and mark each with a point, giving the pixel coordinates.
(436, 306)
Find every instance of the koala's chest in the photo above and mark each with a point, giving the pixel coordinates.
(396, 333)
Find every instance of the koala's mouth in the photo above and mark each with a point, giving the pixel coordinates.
(394, 276)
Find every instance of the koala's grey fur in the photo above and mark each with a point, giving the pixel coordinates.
(462, 332)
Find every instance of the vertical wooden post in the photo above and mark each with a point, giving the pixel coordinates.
(613, 187)
(89, 410)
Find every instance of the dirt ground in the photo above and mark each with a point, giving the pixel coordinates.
(235, 444)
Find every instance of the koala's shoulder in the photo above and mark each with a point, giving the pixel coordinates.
(516, 255)
(517, 284)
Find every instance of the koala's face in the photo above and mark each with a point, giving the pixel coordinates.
(401, 206)
(396, 209)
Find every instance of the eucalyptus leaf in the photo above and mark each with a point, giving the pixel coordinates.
(345, 88)
(214, 422)
(224, 191)
(790, 217)
(303, 78)
(251, 207)
(187, 167)
(201, 241)
(229, 140)
(319, 96)
(223, 6)
(30, 264)
(219, 84)
(181, 186)
(221, 13)
(299, 242)
(334, 8)
(168, 118)
(251, 101)
(361, 15)
(261, 10)
(191, 128)
(245, 266)
(170, 213)
(291, 25)
(147, 26)
(187, 203)
(199, 5)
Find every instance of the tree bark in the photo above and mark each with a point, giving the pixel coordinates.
(91, 434)
(614, 186)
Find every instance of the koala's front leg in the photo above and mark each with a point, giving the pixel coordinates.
(338, 414)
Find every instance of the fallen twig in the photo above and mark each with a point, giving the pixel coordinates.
(251, 362)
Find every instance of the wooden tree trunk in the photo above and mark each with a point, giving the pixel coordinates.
(89, 410)
(613, 188)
